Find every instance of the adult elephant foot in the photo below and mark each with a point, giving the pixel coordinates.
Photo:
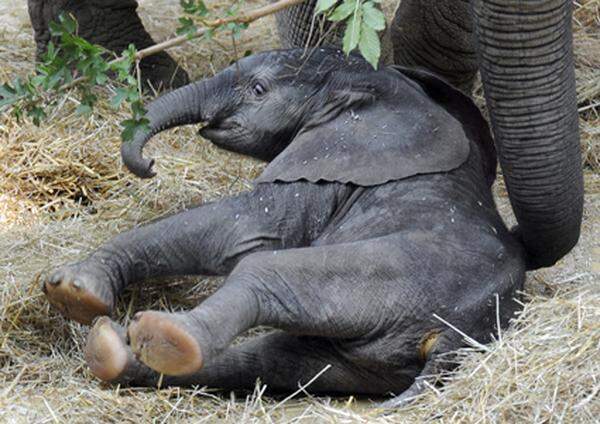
(113, 24)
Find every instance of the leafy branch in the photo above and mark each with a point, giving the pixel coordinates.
(74, 62)
(363, 19)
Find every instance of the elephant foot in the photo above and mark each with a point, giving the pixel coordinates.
(106, 351)
(78, 293)
(165, 343)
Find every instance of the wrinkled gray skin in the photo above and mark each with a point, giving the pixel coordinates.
(349, 264)
(523, 50)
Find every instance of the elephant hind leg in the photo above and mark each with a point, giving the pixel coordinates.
(281, 361)
(284, 362)
(109, 357)
(436, 35)
(113, 24)
(317, 291)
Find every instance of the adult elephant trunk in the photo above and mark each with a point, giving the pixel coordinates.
(526, 62)
(179, 107)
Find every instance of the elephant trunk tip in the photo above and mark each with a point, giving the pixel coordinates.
(538, 254)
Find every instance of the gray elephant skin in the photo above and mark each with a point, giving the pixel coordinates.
(355, 262)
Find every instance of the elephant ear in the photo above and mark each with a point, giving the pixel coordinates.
(463, 109)
(404, 133)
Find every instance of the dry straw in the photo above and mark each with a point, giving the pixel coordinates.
(63, 191)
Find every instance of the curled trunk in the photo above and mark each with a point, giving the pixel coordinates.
(179, 107)
(526, 60)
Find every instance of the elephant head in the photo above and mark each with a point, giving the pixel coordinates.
(324, 117)
(240, 107)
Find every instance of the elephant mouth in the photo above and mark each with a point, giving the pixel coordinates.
(217, 130)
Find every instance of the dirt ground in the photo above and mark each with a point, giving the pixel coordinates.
(63, 191)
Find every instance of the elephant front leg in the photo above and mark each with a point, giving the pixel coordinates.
(299, 27)
(208, 240)
(436, 35)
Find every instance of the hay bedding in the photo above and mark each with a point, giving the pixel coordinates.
(62, 192)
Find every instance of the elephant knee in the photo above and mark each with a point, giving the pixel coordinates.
(253, 269)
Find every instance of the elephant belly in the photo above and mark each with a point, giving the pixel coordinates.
(437, 204)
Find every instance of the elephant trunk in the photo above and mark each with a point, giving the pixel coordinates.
(178, 107)
(526, 58)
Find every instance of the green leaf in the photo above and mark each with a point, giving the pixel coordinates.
(51, 53)
(343, 11)
(352, 34)
(129, 129)
(101, 79)
(187, 26)
(130, 52)
(373, 17)
(236, 29)
(55, 29)
(187, 5)
(138, 109)
(201, 9)
(122, 68)
(6, 90)
(68, 23)
(369, 45)
(7, 101)
(83, 109)
(118, 98)
(324, 5)
(37, 114)
(132, 126)
(209, 34)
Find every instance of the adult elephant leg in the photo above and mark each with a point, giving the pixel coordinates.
(113, 24)
(436, 35)
(298, 27)
(526, 58)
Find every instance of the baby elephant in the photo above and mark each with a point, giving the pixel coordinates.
(372, 228)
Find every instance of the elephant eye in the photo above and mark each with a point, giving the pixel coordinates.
(258, 89)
